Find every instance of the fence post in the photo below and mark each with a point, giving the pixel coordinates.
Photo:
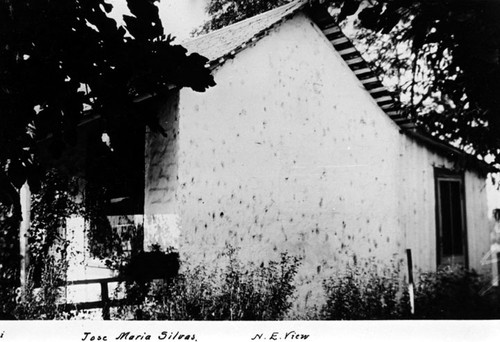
(105, 300)
(498, 270)
(411, 285)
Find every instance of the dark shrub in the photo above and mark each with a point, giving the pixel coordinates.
(450, 293)
(146, 266)
(364, 294)
(455, 293)
(236, 292)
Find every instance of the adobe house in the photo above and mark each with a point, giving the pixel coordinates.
(300, 148)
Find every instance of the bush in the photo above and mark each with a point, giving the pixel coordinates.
(42, 302)
(455, 293)
(450, 293)
(236, 292)
(365, 294)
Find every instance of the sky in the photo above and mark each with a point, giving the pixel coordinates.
(179, 17)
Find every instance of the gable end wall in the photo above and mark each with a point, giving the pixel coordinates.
(289, 153)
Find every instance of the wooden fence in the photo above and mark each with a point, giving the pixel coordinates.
(105, 303)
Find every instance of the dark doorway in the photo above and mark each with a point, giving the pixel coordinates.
(450, 219)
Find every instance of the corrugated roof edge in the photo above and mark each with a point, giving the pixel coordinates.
(385, 99)
(358, 65)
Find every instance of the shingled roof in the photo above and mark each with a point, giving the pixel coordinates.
(233, 38)
(223, 44)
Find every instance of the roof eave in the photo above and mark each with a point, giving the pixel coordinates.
(445, 148)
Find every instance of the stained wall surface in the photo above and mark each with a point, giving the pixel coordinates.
(289, 153)
(161, 226)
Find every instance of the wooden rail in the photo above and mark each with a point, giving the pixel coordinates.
(105, 303)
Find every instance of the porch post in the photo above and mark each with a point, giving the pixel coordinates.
(25, 196)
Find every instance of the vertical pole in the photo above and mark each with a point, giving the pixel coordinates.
(105, 300)
(498, 270)
(410, 280)
(25, 197)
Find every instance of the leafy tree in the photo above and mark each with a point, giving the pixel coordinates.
(440, 57)
(65, 61)
(445, 58)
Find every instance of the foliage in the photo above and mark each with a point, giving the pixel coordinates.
(9, 261)
(46, 239)
(455, 293)
(449, 293)
(248, 292)
(60, 59)
(236, 292)
(440, 58)
(225, 12)
(41, 302)
(141, 268)
(360, 294)
(104, 241)
(61, 197)
(50, 208)
(145, 266)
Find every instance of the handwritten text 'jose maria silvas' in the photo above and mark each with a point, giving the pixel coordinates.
(130, 336)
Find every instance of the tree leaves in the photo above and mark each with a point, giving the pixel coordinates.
(226, 12)
(455, 51)
(145, 23)
(348, 8)
(369, 17)
(59, 59)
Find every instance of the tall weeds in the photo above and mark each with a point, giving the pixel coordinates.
(234, 292)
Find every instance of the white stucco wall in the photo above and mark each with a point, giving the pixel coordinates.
(289, 153)
(161, 222)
